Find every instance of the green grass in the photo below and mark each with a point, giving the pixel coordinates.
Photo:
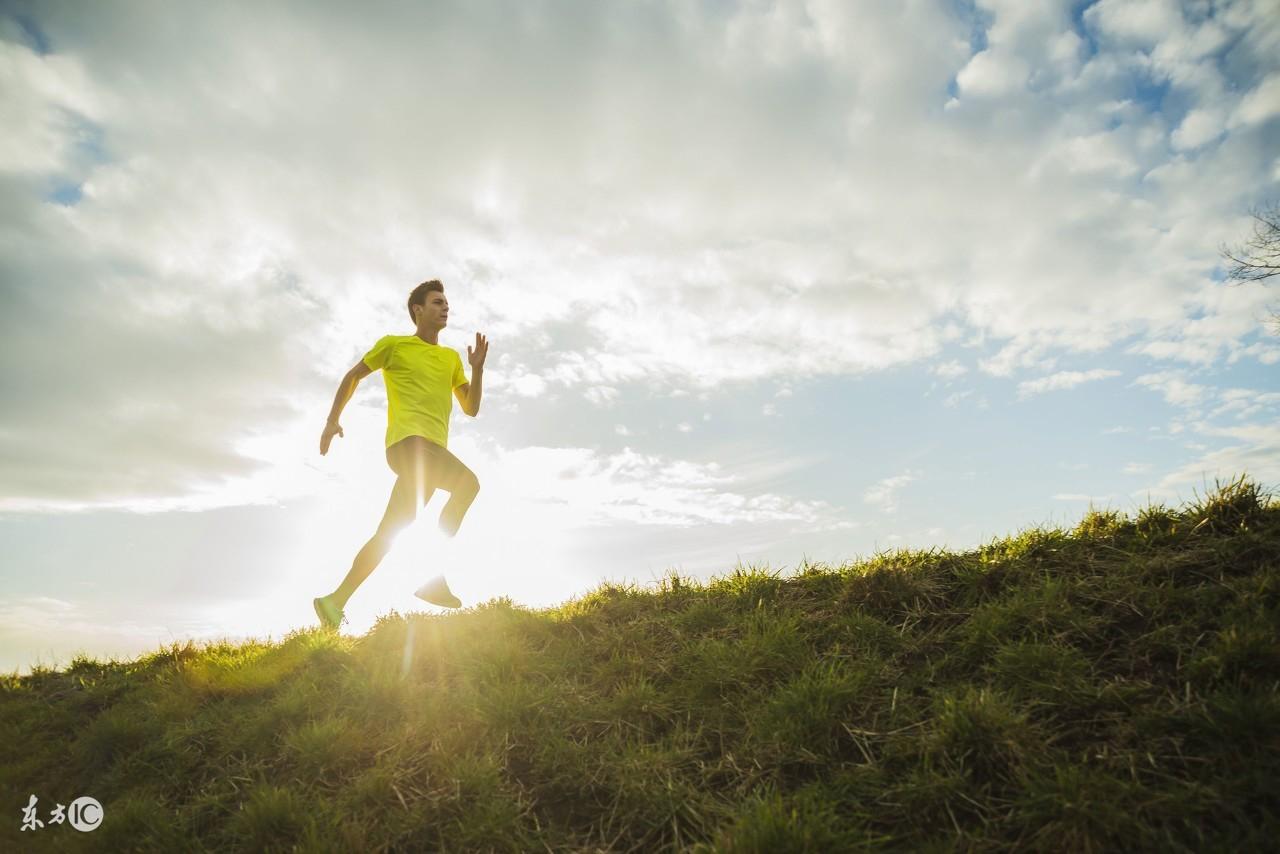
(1112, 686)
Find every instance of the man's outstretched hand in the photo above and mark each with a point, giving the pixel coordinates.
(476, 356)
(330, 430)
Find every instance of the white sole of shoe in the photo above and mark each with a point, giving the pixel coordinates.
(433, 594)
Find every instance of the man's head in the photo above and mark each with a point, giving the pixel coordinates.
(427, 302)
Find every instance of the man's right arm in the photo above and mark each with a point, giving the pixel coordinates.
(345, 389)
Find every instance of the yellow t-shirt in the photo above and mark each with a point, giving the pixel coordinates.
(420, 379)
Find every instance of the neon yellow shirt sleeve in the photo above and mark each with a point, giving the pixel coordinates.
(377, 357)
(459, 377)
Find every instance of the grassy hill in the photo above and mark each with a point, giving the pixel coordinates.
(1114, 686)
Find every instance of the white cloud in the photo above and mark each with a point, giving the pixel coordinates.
(1105, 153)
(1174, 387)
(532, 385)
(252, 218)
(1136, 22)
(992, 73)
(950, 370)
(1263, 433)
(1062, 380)
(1196, 351)
(1245, 402)
(1228, 314)
(1198, 127)
(1256, 454)
(1021, 353)
(601, 395)
(44, 102)
(588, 488)
(1259, 104)
(884, 493)
(1267, 354)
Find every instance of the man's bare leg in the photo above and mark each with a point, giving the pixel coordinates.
(462, 486)
(463, 489)
(412, 490)
(402, 509)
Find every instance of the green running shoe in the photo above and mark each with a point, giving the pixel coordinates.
(331, 616)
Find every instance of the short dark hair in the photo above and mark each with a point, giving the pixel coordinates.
(418, 296)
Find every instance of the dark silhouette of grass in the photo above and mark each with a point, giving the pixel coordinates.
(1109, 687)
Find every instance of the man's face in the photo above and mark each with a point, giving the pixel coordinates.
(435, 310)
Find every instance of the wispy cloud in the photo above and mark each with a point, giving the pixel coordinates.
(1174, 387)
(950, 370)
(601, 395)
(594, 488)
(884, 493)
(1245, 402)
(1227, 314)
(1256, 452)
(1063, 380)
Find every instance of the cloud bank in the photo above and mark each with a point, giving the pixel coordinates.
(208, 216)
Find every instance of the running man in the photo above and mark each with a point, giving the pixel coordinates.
(419, 375)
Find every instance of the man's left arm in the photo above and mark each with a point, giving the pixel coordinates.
(468, 394)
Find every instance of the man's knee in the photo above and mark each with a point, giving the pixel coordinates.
(468, 483)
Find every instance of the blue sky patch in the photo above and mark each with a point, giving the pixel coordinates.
(35, 37)
(65, 194)
(1081, 28)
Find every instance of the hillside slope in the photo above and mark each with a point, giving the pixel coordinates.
(1114, 686)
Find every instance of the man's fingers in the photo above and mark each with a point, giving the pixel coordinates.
(326, 437)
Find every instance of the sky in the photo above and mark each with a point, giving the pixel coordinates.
(764, 283)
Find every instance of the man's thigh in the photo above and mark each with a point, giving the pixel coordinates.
(428, 465)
